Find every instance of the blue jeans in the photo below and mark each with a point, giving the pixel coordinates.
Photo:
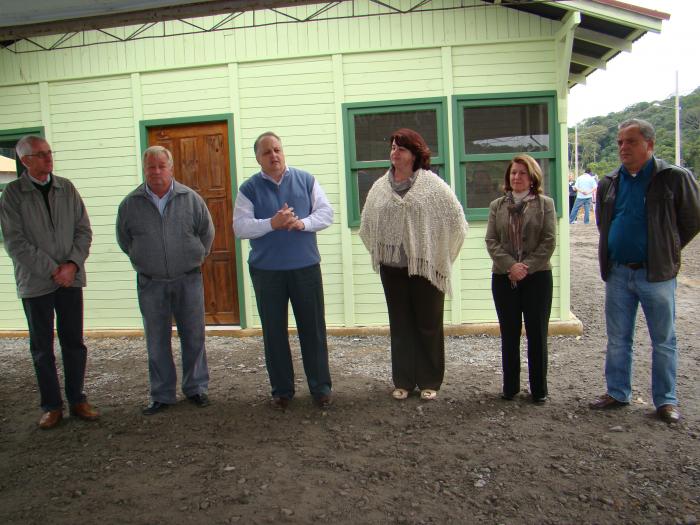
(625, 289)
(160, 301)
(586, 203)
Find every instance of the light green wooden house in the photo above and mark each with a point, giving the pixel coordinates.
(481, 80)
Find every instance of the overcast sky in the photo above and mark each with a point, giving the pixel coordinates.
(648, 71)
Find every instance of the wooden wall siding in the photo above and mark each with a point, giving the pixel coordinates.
(195, 91)
(92, 131)
(525, 66)
(325, 36)
(94, 97)
(295, 98)
(20, 106)
(415, 73)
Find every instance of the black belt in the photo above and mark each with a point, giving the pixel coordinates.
(635, 266)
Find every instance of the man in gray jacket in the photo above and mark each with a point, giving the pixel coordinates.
(166, 230)
(47, 235)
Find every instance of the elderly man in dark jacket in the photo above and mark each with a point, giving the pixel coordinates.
(648, 210)
(166, 230)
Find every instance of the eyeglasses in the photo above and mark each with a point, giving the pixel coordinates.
(43, 155)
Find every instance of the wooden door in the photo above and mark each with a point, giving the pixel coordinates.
(201, 161)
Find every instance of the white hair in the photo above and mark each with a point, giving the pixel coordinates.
(158, 150)
(25, 144)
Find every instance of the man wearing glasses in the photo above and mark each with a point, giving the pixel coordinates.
(47, 235)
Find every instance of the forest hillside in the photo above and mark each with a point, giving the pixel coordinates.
(597, 136)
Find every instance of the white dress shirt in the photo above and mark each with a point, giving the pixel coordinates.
(246, 226)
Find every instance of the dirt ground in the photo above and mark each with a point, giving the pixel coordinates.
(468, 457)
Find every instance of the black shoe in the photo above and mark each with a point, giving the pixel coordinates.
(154, 408)
(540, 400)
(508, 397)
(324, 401)
(201, 400)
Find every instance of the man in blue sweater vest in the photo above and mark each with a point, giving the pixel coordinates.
(280, 209)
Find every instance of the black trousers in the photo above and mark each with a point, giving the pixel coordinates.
(531, 300)
(274, 290)
(417, 339)
(68, 305)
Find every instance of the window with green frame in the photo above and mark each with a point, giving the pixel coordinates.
(490, 131)
(367, 128)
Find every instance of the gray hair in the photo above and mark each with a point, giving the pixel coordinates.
(25, 144)
(158, 150)
(645, 128)
(262, 136)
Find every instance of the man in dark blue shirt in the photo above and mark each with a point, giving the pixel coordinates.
(648, 210)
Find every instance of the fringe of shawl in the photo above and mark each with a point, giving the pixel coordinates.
(378, 227)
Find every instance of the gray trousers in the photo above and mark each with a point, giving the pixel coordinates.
(160, 301)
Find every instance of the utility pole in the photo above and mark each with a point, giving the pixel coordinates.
(678, 125)
(575, 150)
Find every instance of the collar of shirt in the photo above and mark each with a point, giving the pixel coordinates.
(155, 197)
(39, 182)
(645, 171)
(268, 177)
(160, 202)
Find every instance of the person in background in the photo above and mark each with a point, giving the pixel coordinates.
(166, 230)
(585, 191)
(648, 210)
(520, 238)
(413, 227)
(572, 191)
(47, 235)
(280, 209)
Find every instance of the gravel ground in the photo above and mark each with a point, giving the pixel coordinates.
(466, 458)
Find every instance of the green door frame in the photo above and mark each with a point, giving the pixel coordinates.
(144, 125)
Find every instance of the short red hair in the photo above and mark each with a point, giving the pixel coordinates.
(413, 142)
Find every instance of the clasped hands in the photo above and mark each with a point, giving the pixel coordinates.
(64, 275)
(517, 272)
(285, 219)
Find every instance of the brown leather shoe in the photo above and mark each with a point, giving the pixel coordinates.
(84, 411)
(668, 413)
(50, 419)
(606, 401)
(280, 403)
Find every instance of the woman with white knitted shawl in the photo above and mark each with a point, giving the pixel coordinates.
(413, 227)
(520, 238)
